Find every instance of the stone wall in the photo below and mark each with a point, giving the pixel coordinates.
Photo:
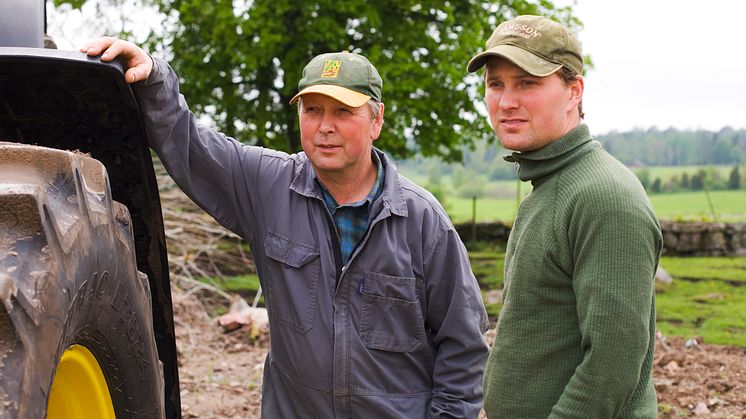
(679, 239)
(704, 239)
(483, 232)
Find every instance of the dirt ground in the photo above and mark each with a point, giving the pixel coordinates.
(221, 374)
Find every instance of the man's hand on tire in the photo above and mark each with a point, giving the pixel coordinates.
(138, 63)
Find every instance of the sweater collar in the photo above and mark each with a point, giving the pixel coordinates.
(554, 156)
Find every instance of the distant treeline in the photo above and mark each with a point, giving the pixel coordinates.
(710, 178)
(672, 147)
(720, 155)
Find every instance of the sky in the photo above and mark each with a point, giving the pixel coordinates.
(657, 63)
(664, 63)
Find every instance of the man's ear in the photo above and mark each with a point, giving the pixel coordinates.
(377, 123)
(576, 91)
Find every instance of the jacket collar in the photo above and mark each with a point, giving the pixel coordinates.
(392, 196)
(536, 164)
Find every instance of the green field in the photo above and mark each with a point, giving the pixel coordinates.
(729, 206)
(667, 172)
(707, 297)
(498, 198)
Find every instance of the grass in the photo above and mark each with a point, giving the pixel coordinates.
(498, 201)
(667, 172)
(730, 206)
(488, 209)
(487, 265)
(243, 285)
(707, 297)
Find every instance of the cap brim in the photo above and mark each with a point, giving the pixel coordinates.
(342, 94)
(528, 61)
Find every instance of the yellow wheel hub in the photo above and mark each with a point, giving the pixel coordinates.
(79, 388)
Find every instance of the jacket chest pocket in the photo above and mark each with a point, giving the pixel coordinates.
(391, 317)
(292, 278)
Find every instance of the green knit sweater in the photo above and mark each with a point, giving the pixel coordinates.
(576, 333)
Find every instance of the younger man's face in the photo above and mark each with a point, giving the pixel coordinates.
(528, 112)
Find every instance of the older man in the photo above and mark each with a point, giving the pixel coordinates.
(576, 333)
(374, 311)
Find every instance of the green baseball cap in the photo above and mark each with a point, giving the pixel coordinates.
(538, 45)
(345, 76)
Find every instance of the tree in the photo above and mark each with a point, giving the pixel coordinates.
(240, 61)
(734, 179)
(644, 176)
(656, 186)
(685, 181)
(698, 181)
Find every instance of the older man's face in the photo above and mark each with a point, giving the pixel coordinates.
(337, 138)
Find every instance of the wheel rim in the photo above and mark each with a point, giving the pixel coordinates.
(79, 388)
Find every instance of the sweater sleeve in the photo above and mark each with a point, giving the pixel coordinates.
(616, 243)
(215, 171)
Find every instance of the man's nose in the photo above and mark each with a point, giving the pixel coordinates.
(509, 99)
(327, 122)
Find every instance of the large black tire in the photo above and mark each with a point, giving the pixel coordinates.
(68, 276)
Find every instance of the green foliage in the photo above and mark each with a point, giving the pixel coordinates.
(240, 61)
(439, 192)
(76, 4)
(467, 184)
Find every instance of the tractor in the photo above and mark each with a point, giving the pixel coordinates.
(86, 321)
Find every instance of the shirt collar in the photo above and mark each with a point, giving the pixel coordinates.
(304, 182)
(374, 193)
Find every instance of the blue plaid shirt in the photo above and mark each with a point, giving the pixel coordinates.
(351, 219)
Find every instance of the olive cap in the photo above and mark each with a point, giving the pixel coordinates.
(345, 76)
(538, 45)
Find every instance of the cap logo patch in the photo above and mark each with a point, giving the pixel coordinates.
(519, 29)
(331, 69)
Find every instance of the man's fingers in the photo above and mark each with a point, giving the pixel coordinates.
(119, 48)
(96, 46)
(138, 63)
(110, 48)
(131, 76)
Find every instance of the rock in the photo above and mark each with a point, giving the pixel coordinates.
(672, 367)
(701, 409)
(663, 276)
(242, 314)
(493, 296)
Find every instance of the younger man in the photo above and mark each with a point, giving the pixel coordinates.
(576, 333)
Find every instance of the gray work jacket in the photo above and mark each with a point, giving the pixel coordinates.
(396, 333)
